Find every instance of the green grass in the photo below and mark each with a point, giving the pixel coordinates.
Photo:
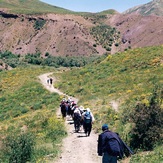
(25, 102)
(32, 7)
(125, 78)
(121, 76)
(155, 156)
(38, 7)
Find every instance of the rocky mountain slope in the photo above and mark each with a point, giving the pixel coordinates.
(71, 34)
(154, 7)
(137, 30)
(56, 34)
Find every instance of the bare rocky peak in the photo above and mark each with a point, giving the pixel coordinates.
(154, 7)
(157, 1)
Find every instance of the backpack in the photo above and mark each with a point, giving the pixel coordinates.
(116, 147)
(87, 117)
(77, 116)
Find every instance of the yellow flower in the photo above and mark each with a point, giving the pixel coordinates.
(128, 91)
(109, 57)
(146, 102)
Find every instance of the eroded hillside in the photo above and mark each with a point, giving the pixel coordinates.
(55, 34)
(137, 30)
(71, 35)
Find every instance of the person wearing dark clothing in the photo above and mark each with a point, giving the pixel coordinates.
(51, 81)
(77, 119)
(63, 109)
(88, 119)
(103, 149)
(111, 146)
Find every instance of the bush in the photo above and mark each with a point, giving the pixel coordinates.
(116, 44)
(19, 148)
(108, 49)
(55, 129)
(148, 120)
(39, 24)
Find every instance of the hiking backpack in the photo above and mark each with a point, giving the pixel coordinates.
(116, 147)
(77, 116)
(87, 117)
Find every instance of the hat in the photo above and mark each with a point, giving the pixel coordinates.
(88, 110)
(105, 127)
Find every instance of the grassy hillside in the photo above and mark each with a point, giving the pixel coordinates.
(119, 77)
(26, 109)
(38, 7)
(113, 88)
(31, 7)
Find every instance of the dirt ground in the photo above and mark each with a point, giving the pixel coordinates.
(76, 147)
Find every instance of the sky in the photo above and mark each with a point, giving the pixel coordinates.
(96, 5)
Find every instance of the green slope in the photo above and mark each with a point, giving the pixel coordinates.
(123, 79)
(123, 75)
(31, 7)
(38, 7)
(24, 103)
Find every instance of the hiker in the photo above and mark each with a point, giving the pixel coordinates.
(72, 108)
(63, 109)
(51, 81)
(88, 119)
(110, 146)
(77, 119)
(75, 106)
(48, 81)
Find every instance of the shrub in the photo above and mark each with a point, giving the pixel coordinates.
(19, 148)
(108, 49)
(39, 24)
(116, 44)
(55, 129)
(148, 120)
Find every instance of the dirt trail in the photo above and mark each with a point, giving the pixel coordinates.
(77, 148)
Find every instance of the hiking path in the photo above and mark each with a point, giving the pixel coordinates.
(76, 147)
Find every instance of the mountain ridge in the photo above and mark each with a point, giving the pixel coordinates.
(154, 7)
(71, 34)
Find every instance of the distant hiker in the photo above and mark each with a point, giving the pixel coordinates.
(88, 119)
(51, 81)
(48, 81)
(111, 146)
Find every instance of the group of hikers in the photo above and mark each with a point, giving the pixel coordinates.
(110, 146)
(81, 117)
(50, 81)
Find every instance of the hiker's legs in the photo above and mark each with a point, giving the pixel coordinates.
(89, 128)
(108, 159)
(85, 128)
(75, 125)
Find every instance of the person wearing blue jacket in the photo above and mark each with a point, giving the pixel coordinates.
(110, 146)
(102, 146)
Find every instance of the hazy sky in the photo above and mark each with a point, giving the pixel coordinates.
(96, 5)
